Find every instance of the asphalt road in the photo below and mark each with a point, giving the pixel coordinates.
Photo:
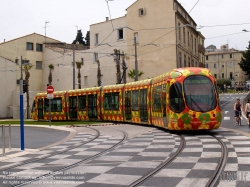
(35, 137)
(227, 104)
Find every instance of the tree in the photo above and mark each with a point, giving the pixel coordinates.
(131, 74)
(87, 39)
(124, 68)
(118, 68)
(99, 75)
(26, 69)
(221, 82)
(245, 61)
(51, 67)
(79, 38)
(78, 66)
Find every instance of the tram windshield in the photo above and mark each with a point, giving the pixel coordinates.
(199, 93)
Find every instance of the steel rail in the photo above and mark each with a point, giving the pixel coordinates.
(214, 180)
(54, 153)
(125, 135)
(162, 165)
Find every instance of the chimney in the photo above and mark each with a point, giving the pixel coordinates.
(107, 18)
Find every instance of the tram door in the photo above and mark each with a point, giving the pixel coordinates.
(72, 108)
(128, 107)
(143, 105)
(92, 106)
(40, 109)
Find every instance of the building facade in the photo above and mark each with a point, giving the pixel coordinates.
(31, 48)
(223, 63)
(165, 35)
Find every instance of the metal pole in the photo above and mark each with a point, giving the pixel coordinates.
(73, 67)
(9, 136)
(21, 108)
(49, 112)
(136, 64)
(3, 139)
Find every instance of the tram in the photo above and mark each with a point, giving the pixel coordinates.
(182, 99)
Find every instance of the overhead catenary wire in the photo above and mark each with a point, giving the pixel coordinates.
(194, 6)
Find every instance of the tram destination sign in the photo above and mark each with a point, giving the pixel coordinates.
(204, 81)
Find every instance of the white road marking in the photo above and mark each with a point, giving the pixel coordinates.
(226, 118)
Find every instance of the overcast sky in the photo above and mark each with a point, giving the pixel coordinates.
(23, 17)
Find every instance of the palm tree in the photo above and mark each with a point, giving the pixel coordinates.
(51, 66)
(131, 74)
(78, 66)
(124, 68)
(99, 82)
(118, 68)
(26, 69)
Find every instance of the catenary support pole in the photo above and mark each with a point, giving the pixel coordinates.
(21, 108)
(136, 63)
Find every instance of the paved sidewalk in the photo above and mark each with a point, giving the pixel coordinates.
(36, 138)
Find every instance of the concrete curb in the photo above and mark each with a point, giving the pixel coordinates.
(72, 134)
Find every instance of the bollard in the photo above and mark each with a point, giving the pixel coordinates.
(9, 136)
(3, 139)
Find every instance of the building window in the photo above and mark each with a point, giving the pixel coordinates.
(180, 61)
(136, 37)
(85, 80)
(142, 12)
(95, 57)
(96, 39)
(195, 49)
(231, 55)
(82, 60)
(179, 31)
(231, 75)
(188, 38)
(189, 63)
(206, 57)
(39, 65)
(25, 61)
(29, 46)
(215, 75)
(214, 57)
(39, 47)
(206, 65)
(222, 56)
(230, 64)
(222, 66)
(214, 65)
(222, 75)
(185, 61)
(16, 61)
(120, 34)
(184, 35)
(192, 42)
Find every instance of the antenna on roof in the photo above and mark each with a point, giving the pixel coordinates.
(46, 22)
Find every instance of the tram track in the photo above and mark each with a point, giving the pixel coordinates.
(162, 165)
(214, 180)
(54, 153)
(45, 176)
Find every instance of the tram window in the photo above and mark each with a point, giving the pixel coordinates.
(56, 105)
(82, 102)
(157, 92)
(111, 101)
(176, 99)
(135, 100)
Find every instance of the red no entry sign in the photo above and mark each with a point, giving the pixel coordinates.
(50, 89)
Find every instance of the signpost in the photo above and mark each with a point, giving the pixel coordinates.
(50, 90)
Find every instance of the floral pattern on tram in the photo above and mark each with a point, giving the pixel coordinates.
(83, 113)
(58, 111)
(112, 105)
(140, 113)
(189, 119)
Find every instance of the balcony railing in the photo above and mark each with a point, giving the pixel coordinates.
(201, 49)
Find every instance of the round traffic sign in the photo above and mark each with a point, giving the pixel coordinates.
(50, 89)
